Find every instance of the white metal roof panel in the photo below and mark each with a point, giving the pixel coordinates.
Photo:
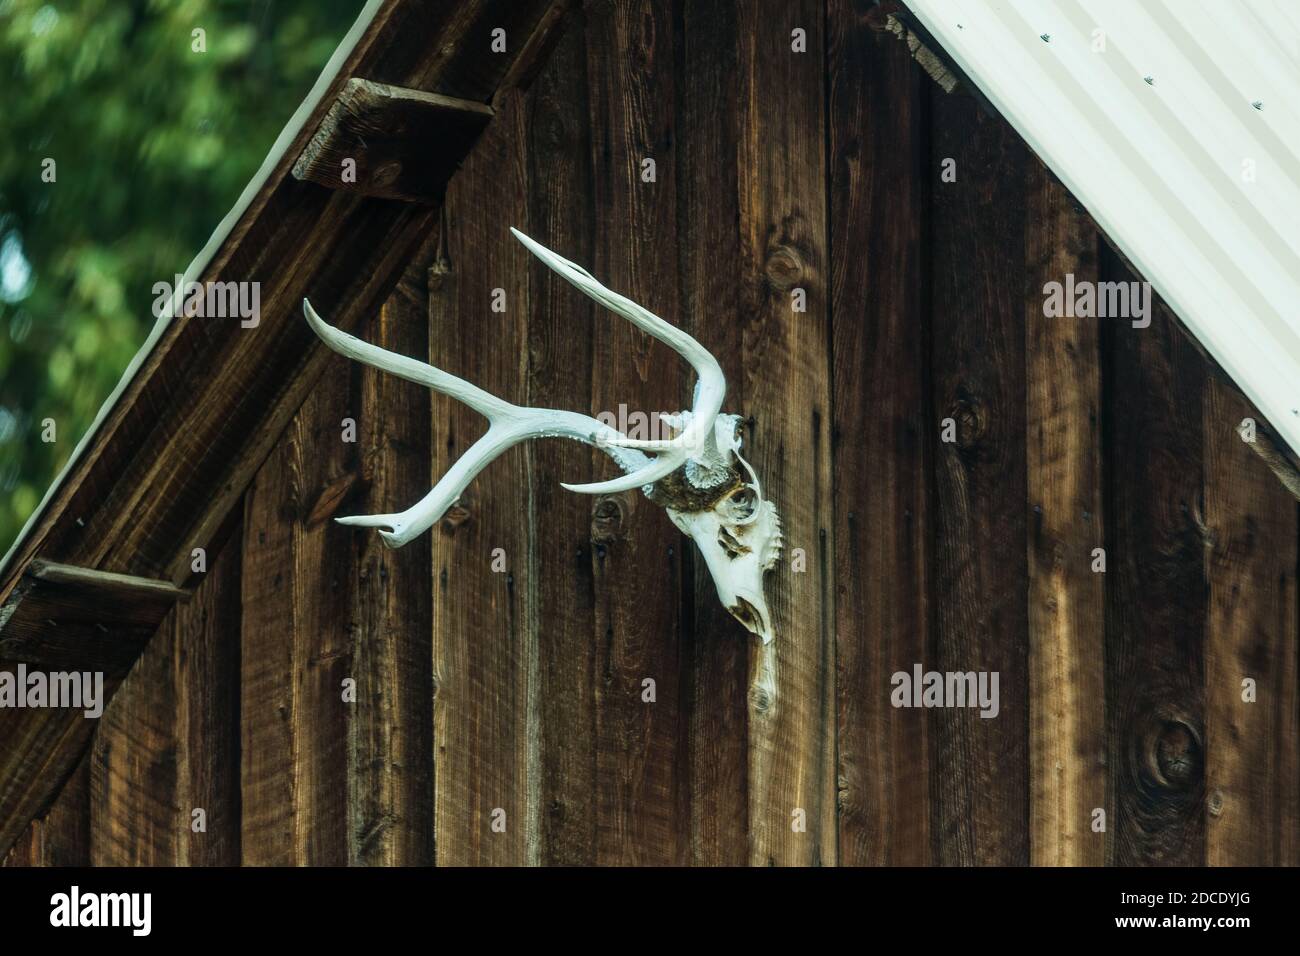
(1177, 124)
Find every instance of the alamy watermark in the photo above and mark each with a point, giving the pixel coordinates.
(75, 690)
(1085, 299)
(222, 300)
(923, 688)
(133, 911)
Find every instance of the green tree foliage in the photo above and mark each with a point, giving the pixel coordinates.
(152, 142)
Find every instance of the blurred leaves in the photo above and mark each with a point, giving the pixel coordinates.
(152, 145)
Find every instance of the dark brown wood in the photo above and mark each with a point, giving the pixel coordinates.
(167, 743)
(1252, 761)
(1156, 592)
(390, 142)
(62, 617)
(205, 666)
(881, 435)
(642, 810)
(783, 247)
(390, 770)
(537, 53)
(980, 802)
(134, 816)
(65, 619)
(62, 836)
(1067, 597)
(485, 632)
(561, 323)
(296, 635)
(708, 201)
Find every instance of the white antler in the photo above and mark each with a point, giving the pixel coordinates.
(716, 498)
(508, 425)
(695, 439)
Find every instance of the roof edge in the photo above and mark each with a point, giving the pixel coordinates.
(200, 262)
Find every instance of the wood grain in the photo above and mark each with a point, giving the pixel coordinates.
(296, 637)
(1252, 761)
(402, 144)
(642, 808)
(716, 649)
(168, 741)
(981, 802)
(879, 190)
(561, 577)
(485, 633)
(62, 836)
(390, 731)
(781, 170)
(1156, 592)
(1067, 604)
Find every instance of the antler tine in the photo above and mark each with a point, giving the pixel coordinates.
(710, 388)
(421, 373)
(508, 425)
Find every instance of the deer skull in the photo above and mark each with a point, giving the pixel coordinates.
(698, 475)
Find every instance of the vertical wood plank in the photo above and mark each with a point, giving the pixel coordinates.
(65, 835)
(642, 799)
(205, 662)
(62, 836)
(981, 765)
(881, 434)
(1067, 609)
(1252, 766)
(1156, 592)
(133, 805)
(484, 629)
(296, 640)
(782, 174)
(390, 760)
(561, 582)
(717, 649)
(167, 742)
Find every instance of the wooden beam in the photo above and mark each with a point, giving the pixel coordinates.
(381, 140)
(65, 617)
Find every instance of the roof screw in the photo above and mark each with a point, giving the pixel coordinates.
(1258, 104)
(1045, 37)
(1150, 80)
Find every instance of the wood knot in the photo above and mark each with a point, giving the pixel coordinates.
(971, 417)
(1171, 754)
(1215, 803)
(609, 514)
(784, 268)
(386, 174)
(458, 514)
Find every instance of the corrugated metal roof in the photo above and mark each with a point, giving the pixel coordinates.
(1177, 124)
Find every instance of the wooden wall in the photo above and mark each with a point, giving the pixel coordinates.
(517, 695)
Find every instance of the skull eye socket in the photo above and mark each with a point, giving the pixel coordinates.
(741, 504)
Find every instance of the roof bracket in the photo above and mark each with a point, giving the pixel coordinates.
(390, 142)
